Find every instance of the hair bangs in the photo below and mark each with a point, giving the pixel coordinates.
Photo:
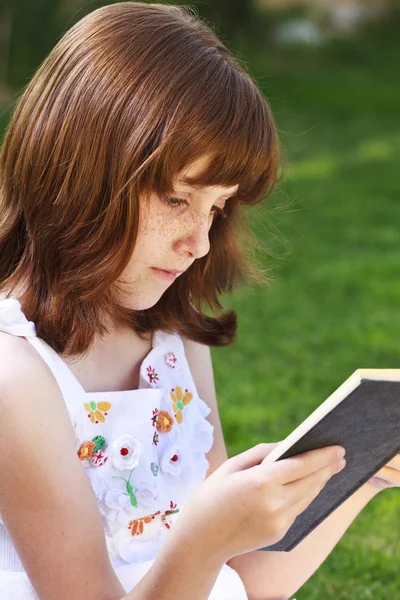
(233, 129)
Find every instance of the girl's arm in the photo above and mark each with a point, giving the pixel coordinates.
(288, 571)
(272, 574)
(46, 500)
(49, 508)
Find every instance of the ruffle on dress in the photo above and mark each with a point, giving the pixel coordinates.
(13, 320)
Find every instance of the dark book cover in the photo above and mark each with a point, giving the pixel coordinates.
(367, 423)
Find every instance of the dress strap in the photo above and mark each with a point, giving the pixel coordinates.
(161, 338)
(13, 321)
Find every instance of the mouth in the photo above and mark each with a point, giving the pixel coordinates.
(166, 275)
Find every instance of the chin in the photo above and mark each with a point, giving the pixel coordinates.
(143, 303)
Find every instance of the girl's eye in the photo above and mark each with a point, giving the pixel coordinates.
(174, 202)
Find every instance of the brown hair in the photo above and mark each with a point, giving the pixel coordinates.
(132, 94)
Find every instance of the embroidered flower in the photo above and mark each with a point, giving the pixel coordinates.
(125, 452)
(100, 442)
(155, 416)
(163, 420)
(129, 489)
(99, 458)
(171, 360)
(138, 526)
(171, 460)
(152, 375)
(154, 468)
(123, 505)
(97, 411)
(119, 506)
(179, 401)
(166, 516)
(146, 494)
(94, 450)
(86, 450)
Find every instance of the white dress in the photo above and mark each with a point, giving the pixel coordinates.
(143, 451)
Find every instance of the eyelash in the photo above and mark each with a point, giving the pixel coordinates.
(174, 202)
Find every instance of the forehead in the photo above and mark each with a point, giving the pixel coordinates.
(194, 170)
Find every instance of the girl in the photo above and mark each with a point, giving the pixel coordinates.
(124, 173)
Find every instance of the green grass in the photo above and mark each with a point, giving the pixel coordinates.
(335, 303)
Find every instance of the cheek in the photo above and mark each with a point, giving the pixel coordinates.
(153, 244)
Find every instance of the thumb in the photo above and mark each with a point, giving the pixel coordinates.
(249, 458)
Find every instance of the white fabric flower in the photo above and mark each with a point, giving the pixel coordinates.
(125, 452)
(119, 506)
(146, 494)
(172, 460)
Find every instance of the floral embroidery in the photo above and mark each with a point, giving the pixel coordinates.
(137, 525)
(154, 468)
(94, 451)
(100, 442)
(86, 450)
(155, 439)
(171, 461)
(173, 509)
(129, 488)
(99, 458)
(179, 401)
(153, 377)
(162, 420)
(125, 452)
(171, 359)
(97, 411)
(119, 505)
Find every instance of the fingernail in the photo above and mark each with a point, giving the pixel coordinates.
(342, 464)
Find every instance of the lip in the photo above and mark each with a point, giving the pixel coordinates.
(166, 275)
(174, 271)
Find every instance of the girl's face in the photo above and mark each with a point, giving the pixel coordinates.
(171, 236)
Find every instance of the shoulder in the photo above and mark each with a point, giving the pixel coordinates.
(195, 351)
(29, 394)
(21, 366)
(199, 360)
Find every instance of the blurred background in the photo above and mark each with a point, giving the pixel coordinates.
(330, 70)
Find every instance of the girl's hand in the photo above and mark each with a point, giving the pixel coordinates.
(388, 476)
(249, 503)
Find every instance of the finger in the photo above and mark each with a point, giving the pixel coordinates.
(392, 476)
(302, 465)
(302, 492)
(395, 462)
(250, 458)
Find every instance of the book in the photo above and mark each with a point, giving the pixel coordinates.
(363, 416)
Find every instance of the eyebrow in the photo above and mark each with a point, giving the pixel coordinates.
(199, 187)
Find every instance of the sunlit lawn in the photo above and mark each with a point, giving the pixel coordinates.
(335, 302)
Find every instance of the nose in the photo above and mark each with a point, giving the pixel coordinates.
(195, 238)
